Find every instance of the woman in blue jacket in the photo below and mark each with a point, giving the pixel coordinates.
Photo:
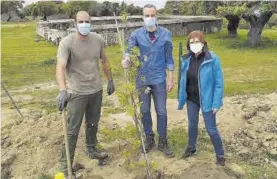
(201, 87)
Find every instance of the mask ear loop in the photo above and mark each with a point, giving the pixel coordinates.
(90, 29)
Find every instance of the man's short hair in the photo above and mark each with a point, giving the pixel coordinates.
(150, 6)
(80, 12)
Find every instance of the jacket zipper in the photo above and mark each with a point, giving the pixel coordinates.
(199, 86)
(199, 81)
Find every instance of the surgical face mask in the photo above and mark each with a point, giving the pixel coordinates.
(84, 28)
(196, 47)
(150, 23)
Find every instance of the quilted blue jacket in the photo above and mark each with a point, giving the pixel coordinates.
(210, 80)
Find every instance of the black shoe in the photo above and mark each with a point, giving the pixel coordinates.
(220, 161)
(188, 152)
(163, 147)
(96, 154)
(149, 143)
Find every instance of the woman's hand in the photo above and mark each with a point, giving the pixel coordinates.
(215, 111)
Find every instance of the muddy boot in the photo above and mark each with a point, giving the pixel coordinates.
(96, 154)
(163, 147)
(149, 143)
(220, 161)
(77, 167)
(188, 152)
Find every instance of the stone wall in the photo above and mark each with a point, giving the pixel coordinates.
(55, 30)
(57, 16)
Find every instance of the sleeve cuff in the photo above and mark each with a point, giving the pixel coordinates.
(170, 67)
(216, 106)
(180, 105)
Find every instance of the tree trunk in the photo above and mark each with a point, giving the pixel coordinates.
(254, 35)
(256, 27)
(233, 23)
(232, 31)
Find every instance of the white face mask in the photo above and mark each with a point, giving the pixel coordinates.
(84, 28)
(150, 23)
(197, 47)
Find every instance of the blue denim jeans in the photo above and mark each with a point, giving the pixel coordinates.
(159, 94)
(210, 124)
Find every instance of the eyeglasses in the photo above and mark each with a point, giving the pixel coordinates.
(80, 22)
(148, 15)
(194, 42)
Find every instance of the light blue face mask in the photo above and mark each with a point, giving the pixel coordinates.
(150, 23)
(84, 28)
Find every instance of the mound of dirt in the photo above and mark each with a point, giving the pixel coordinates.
(257, 136)
(30, 146)
(208, 171)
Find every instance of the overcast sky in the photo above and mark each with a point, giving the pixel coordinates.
(158, 3)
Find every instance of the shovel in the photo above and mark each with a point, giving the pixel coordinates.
(69, 169)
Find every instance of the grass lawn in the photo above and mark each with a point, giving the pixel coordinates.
(24, 61)
(246, 70)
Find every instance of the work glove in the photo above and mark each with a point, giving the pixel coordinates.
(126, 61)
(62, 99)
(110, 87)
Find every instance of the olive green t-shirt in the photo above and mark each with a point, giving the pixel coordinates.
(83, 56)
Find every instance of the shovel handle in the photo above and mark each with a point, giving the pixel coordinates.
(69, 168)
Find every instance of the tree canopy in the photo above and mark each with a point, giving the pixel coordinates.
(8, 6)
(70, 8)
(256, 13)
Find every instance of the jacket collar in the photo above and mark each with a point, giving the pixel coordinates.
(157, 30)
(146, 33)
(208, 55)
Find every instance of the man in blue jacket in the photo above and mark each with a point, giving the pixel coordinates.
(155, 45)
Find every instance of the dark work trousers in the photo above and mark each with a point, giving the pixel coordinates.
(77, 106)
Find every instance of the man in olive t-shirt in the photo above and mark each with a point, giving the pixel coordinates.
(78, 64)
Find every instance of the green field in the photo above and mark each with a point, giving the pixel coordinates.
(246, 70)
